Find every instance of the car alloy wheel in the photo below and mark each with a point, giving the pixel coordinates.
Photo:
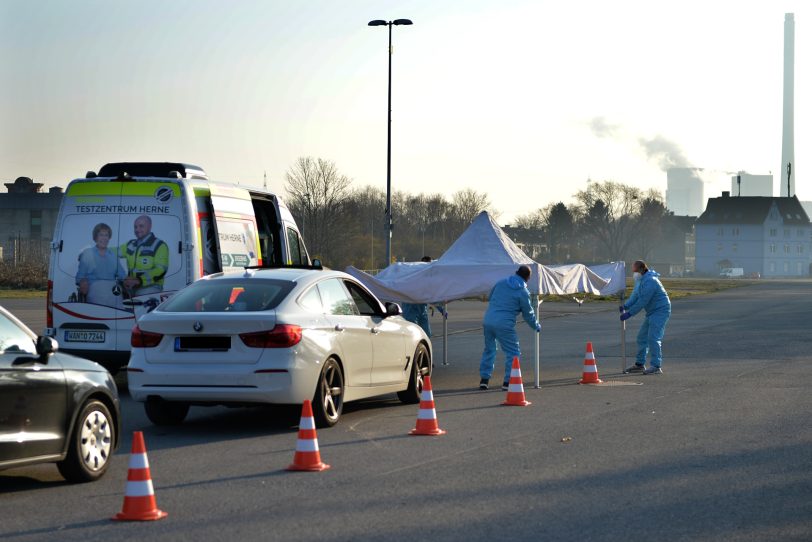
(421, 367)
(329, 400)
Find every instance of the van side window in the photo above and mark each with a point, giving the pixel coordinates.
(297, 254)
(268, 228)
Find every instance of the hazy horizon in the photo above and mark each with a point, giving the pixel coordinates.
(524, 100)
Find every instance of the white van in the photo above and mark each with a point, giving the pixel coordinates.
(732, 272)
(132, 235)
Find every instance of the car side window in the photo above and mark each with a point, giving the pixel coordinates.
(13, 339)
(311, 301)
(335, 298)
(365, 303)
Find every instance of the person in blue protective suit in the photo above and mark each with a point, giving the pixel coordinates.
(418, 313)
(650, 295)
(508, 298)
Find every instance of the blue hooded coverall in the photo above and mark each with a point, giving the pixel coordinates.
(508, 298)
(649, 294)
(418, 313)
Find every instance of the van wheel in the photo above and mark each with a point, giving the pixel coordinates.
(421, 367)
(329, 399)
(91, 444)
(162, 412)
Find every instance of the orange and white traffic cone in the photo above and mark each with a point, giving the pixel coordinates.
(590, 375)
(307, 456)
(427, 416)
(515, 394)
(139, 497)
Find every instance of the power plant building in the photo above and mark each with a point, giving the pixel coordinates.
(685, 192)
(745, 184)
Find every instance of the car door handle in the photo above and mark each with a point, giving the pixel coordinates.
(375, 330)
(339, 327)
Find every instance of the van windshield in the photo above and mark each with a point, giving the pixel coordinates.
(229, 295)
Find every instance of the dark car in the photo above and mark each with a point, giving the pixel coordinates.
(54, 407)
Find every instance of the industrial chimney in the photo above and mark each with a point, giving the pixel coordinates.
(788, 174)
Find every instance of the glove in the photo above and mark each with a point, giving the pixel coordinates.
(623, 308)
(538, 328)
(625, 316)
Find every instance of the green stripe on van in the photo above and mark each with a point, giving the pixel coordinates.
(113, 188)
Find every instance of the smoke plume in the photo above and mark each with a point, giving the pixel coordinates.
(665, 152)
(601, 128)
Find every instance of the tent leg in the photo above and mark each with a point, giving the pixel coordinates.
(445, 334)
(537, 384)
(622, 338)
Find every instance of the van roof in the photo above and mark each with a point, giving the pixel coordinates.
(152, 169)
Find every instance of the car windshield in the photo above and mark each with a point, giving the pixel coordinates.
(221, 295)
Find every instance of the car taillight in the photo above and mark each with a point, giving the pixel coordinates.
(144, 339)
(49, 305)
(281, 336)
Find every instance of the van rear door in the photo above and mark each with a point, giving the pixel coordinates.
(87, 272)
(235, 227)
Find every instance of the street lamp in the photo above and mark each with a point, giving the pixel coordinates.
(388, 226)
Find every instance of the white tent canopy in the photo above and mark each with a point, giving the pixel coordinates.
(476, 261)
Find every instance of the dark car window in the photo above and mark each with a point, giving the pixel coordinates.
(297, 254)
(335, 298)
(14, 339)
(238, 295)
(365, 303)
(311, 301)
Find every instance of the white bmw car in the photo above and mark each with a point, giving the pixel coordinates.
(275, 336)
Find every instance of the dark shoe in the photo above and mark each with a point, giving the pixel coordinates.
(483, 384)
(635, 369)
(505, 385)
(653, 371)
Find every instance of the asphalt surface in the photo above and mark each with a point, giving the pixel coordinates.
(717, 448)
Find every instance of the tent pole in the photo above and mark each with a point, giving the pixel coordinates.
(622, 337)
(538, 343)
(445, 333)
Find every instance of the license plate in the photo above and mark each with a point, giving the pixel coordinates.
(84, 336)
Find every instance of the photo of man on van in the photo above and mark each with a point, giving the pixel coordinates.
(147, 260)
(99, 269)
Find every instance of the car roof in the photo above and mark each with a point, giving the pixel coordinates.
(302, 276)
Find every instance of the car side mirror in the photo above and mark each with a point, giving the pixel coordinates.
(46, 346)
(393, 309)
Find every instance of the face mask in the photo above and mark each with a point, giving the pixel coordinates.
(636, 276)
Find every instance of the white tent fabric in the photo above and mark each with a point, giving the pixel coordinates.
(479, 258)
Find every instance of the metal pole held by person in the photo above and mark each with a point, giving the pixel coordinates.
(445, 333)
(537, 383)
(622, 336)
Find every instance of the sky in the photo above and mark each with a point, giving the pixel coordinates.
(524, 100)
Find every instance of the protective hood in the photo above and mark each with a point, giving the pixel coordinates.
(516, 282)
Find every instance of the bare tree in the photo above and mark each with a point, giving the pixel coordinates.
(317, 192)
(650, 225)
(609, 213)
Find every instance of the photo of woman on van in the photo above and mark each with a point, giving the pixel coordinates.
(99, 269)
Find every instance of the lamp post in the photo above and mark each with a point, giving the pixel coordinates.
(388, 226)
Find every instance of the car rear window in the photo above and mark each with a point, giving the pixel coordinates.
(221, 295)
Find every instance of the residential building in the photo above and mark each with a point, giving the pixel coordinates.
(769, 236)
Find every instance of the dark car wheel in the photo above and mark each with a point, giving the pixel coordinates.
(91, 444)
(162, 412)
(329, 399)
(421, 367)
